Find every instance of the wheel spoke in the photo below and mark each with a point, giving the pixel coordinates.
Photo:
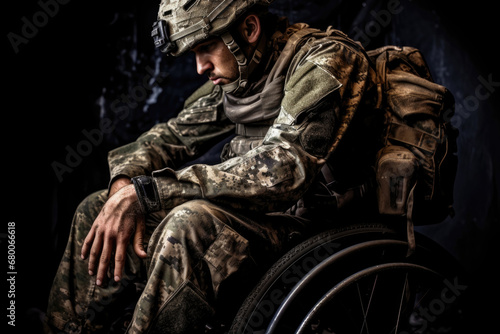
(401, 303)
(372, 294)
(365, 312)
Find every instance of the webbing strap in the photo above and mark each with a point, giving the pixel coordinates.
(245, 67)
(343, 198)
(252, 131)
(242, 61)
(289, 50)
(411, 136)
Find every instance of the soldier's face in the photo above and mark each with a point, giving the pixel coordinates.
(214, 59)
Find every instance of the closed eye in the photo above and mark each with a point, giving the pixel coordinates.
(205, 46)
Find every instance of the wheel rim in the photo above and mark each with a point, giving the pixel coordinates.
(329, 262)
(347, 253)
(364, 308)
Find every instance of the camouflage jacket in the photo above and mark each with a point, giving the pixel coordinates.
(321, 82)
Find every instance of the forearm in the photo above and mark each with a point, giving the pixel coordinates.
(198, 127)
(275, 183)
(117, 184)
(156, 149)
(270, 177)
(315, 113)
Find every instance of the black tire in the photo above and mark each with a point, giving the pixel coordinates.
(296, 293)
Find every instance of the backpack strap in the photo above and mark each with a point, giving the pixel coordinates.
(406, 134)
(288, 51)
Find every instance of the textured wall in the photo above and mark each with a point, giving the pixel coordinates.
(86, 78)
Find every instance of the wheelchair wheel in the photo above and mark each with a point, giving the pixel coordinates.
(357, 280)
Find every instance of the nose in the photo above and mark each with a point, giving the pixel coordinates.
(203, 64)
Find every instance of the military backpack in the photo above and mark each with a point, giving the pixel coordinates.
(416, 167)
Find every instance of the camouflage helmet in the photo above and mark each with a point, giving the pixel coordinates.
(184, 23)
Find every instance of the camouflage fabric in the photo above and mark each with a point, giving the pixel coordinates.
(189, 23)
(324, 84)
(199, 126)
(192, 252)
(221, 223)
(76, 304)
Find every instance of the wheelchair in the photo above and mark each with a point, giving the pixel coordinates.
(359, 278)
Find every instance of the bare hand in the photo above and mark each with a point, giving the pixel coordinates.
(118, 184)
(119, 220)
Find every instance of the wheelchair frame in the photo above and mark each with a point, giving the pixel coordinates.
(357, 279)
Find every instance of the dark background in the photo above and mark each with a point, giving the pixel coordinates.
(85, 58)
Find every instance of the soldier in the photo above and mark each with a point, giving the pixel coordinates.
(185, 245)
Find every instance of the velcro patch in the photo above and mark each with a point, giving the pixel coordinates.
(307, 86)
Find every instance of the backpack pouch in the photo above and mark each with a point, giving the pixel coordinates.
(395, 170)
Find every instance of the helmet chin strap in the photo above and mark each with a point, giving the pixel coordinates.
(245, 67)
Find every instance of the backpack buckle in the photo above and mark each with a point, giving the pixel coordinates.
(160, 37)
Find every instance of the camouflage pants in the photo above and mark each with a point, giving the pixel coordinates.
(202, 259)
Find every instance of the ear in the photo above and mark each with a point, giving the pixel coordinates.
(250, 29)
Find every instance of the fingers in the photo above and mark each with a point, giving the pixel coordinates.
(92, 249)
(102, 247)
(122, 245)
(139, 239)
(95, 248)
(111, 234)
(98, 246)
(120, 256)
(95, 253)
(104, 260)
(101, 256)
(87, 243)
